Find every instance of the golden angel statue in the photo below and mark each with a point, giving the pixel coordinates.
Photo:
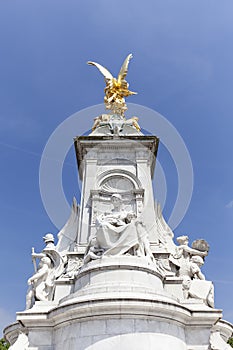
(116, 88)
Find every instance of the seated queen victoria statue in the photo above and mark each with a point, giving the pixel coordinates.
(118, 232)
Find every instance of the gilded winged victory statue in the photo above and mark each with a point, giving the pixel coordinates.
(116, 88)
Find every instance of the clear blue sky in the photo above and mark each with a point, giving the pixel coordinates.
(182, 68)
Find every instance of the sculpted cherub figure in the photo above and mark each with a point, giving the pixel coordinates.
(184, 253)
(190, 261)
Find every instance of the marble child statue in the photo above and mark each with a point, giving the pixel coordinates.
(143, 248)
(184, 253)
(200, 288)
(190, 261)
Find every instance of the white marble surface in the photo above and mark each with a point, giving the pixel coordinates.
(127, 301)
(132, 159)
(21, 343)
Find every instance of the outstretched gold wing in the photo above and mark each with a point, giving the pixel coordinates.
(107, 75)
(124, 68)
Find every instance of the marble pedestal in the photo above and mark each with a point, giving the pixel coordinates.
(123, 301)
(117, 303)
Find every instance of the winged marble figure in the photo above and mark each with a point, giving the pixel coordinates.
(116, 88)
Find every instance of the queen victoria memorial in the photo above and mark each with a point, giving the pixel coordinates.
(115, 277)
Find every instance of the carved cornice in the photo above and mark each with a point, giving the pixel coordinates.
(101, 148)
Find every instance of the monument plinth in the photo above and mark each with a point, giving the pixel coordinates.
(115, 278)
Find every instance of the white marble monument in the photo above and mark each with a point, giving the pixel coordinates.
(115, 278)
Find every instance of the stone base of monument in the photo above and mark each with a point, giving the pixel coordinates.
(117, 302)
(114, 275)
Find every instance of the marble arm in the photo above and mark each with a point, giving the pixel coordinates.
(200, 275)
(196, 272)
(38, 274)
(193, 251)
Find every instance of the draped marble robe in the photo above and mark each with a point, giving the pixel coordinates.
(114, 234)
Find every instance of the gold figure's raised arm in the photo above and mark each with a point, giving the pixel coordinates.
(116, 88)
